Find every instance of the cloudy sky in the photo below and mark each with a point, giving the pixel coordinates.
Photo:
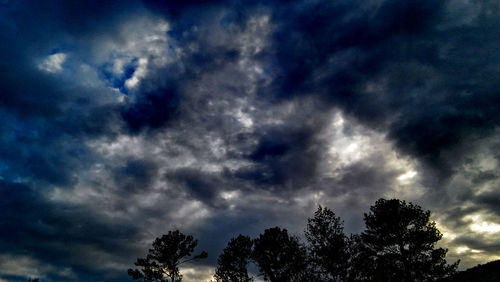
(122, 120)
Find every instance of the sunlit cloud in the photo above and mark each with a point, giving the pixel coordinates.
(53, 63)
(477, 223)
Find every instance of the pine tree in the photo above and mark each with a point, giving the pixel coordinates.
(280, 257)
(233, 262)
(328, 246)
(163, 260)
(399, 240)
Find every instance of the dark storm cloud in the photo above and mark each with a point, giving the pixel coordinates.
(355, 26)
(44, 115)
(433, 98)
(490, 200)
(200, 185)
(228, 134)
(135, 175)
(58, 235)
(152, 110)
(284, 156)
(479, 243)
(440, 94)
(161, 93)
(363, 178)
(45, 121)
(30, 149)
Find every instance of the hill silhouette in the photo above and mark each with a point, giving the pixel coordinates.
(489, 272)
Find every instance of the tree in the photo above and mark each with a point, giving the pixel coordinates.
(399, 242)
(361, 265)
(328, 246)
(232, 263)
(163, 260)
(280, 257)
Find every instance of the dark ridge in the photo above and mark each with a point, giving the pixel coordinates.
(489, 272)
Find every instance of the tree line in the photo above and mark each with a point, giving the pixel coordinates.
(397, 245)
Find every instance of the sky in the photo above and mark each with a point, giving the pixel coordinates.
(122, 120)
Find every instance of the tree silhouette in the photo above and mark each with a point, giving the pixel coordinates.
(398, 245)
(232, 263)
(163, 260)
(328, 246)
(280, 257)
(361, 265)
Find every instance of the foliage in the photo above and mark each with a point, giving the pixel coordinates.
(280, 257)
(233, 262)
(328, 246)
(399, 244)
(161, 263)
(361, 267)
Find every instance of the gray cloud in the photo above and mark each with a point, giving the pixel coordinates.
(123, 120)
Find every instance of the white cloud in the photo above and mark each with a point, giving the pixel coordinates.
(53, 63)
(197, 273)
(479, 224)
(139, 73)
